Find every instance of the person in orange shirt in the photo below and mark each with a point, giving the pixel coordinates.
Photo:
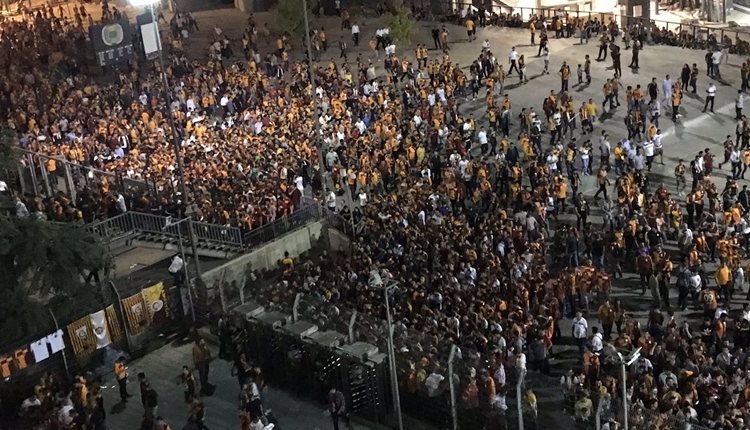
(121, 373)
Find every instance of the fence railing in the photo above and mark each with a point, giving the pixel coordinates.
(206, 235)
(46, 176)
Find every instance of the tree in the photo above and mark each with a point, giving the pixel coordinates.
(290, 17)
(402, 26)
(44, 264)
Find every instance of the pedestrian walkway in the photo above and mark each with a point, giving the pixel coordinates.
(163, 366)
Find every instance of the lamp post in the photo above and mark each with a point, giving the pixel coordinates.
(624, 363)
(316, 115)
(175, 139)
(376, 281)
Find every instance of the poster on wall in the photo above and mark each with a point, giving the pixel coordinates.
(101, 332)
(136, 313)
(113, 42)
(156, 301)
(82, 337)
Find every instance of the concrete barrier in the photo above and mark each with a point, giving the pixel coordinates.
(231, 277)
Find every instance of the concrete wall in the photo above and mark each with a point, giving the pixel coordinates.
(267, 257)
(339, 242)
(244, 5)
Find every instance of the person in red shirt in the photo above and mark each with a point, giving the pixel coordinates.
(645, 265)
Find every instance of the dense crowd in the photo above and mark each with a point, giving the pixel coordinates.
(463, 220)
(247, 138)
(469, 232)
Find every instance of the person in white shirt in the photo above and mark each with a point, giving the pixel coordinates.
(482, 136)
(433, 383)
(331, 201)
(658, 146)
(584, 151)
(716, 60)
(512, 58)
(29, 403)
(655, 112)
(666, 87)
(597, 343)
(580, 330)
(176, 269)
(121, 203)
(355, 34)
(648, 151)
(500, 377)
(710, 96)
(739, 104)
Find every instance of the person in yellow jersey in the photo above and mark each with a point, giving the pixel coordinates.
(724, 281)
(471, 30)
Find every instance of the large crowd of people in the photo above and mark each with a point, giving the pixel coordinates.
(247, 138)
(471, 221)
(469, 228)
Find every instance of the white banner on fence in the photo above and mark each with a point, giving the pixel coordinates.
(99, 321)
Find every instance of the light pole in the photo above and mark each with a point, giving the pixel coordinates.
(376, 281)
(316, 116)
(175, 139)
(624, 363)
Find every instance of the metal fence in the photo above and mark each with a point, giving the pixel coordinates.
(46, 176)
(310, 365)
(640, 417)
(161, 228)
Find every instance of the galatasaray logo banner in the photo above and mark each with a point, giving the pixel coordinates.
(155, 299)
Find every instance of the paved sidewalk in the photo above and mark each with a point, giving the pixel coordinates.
(163, 366)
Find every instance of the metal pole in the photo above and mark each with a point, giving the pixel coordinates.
(392, 360)
(452, 387)
(185, 268)
(176, 142)
(295, 307)
(598, 417)
(352, 320)
(318, 141)
(123, 317)
(519, 401)
(57, 328)
(624, 396)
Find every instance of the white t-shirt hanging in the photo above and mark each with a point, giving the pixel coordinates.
(56, 342)
(40, 350)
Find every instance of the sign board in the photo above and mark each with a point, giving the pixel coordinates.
(113, 42)
(149, 35)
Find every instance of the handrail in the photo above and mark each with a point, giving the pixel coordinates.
(206, 234)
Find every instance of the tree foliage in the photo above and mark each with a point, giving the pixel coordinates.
(402, 26)
(44, 264)
(290, 17)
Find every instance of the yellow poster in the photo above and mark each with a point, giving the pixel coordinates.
(115, 332)
(135, 313)
(156, 301)
(82, 336)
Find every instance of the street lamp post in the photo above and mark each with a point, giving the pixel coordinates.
(316, 119)
(316, 116)
(175, 139)
(624, 363)
(377, 282)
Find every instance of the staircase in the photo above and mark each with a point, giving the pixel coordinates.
(153, 231)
